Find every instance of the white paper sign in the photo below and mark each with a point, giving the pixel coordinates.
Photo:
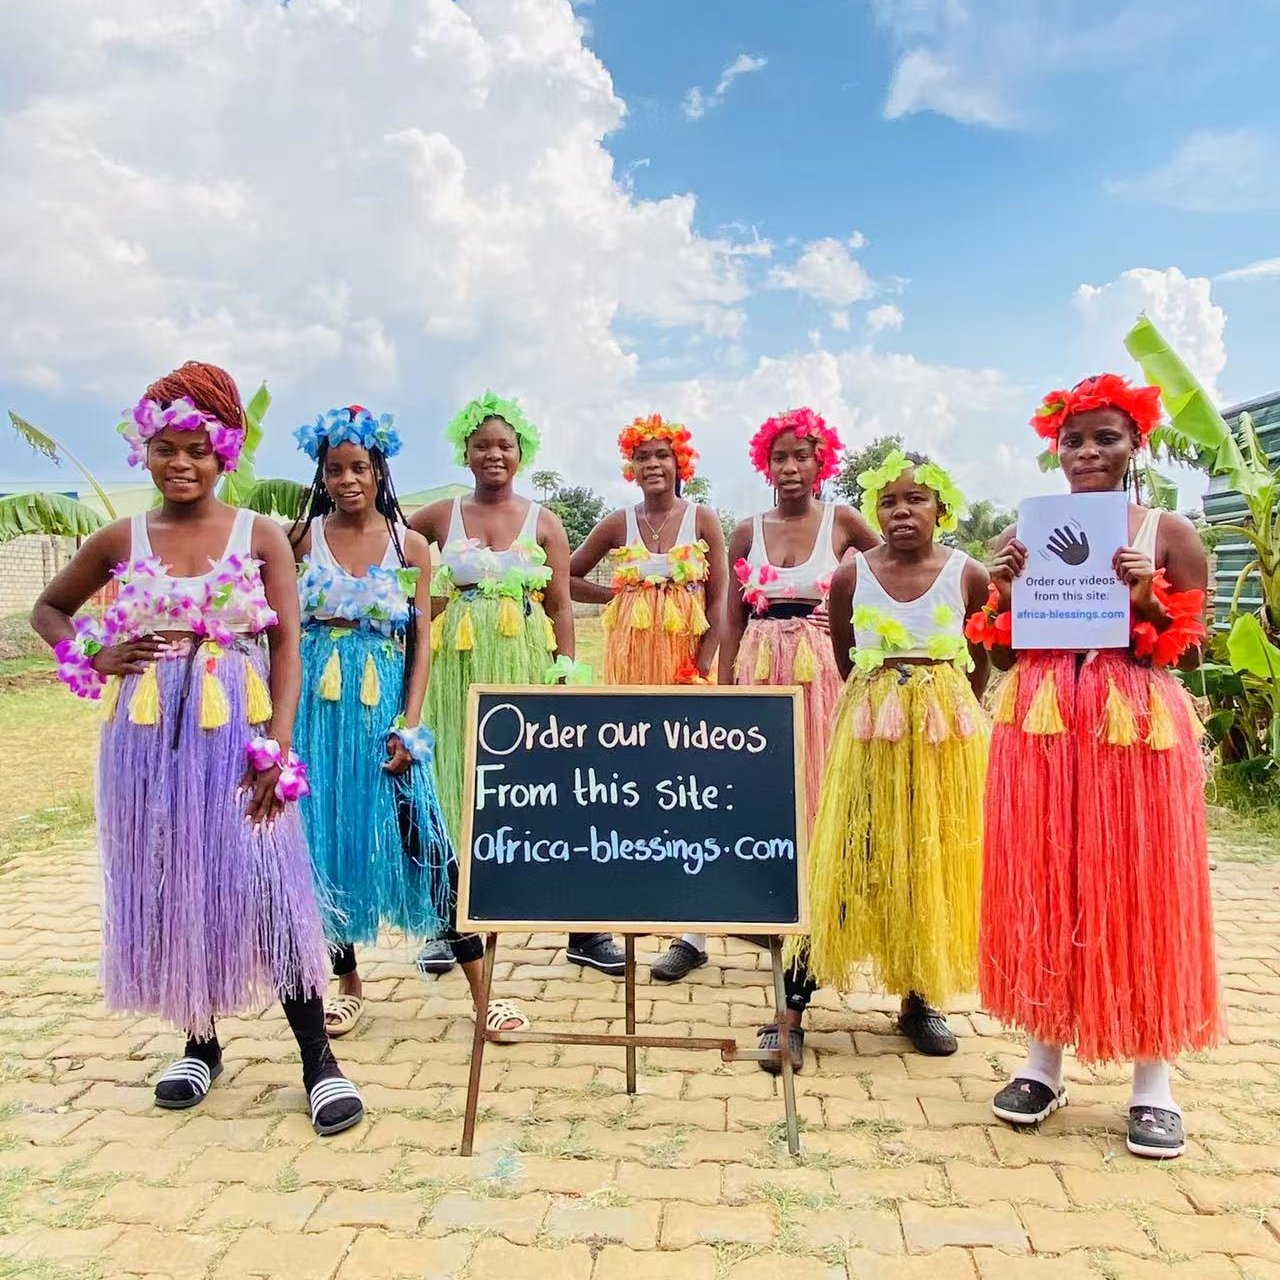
(1068, 597)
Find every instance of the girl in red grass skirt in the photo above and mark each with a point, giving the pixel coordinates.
(1097, 927)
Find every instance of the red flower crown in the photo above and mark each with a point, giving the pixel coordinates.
(1107, 390)
(804, 422)
(653, 427)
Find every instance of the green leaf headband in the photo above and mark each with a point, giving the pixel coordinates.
(951, 503)
(467, 422)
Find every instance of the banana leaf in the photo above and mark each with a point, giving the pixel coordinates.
(55, 451)
(285, 499)
(238, 484)
(51, 513)
(1250, 650)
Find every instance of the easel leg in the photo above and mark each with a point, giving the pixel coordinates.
(784, 1039)
(629, 945)
(477, 1047)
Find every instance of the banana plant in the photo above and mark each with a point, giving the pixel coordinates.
(56, 451)
(46, 513)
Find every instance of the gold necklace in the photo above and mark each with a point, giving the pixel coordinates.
(656, 534)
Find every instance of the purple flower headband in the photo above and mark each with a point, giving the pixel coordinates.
(148, 419)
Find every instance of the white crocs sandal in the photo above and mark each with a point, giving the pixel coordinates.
(345, 1012)
(192, 1072)
(501, 1011)
(331, 1089)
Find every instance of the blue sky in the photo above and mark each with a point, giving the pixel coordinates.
(916, 215)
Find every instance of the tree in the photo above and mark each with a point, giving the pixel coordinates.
(579, 509)
(855, 462)
(728, 522)
(546, 483)
(697, 489)
(984, 523)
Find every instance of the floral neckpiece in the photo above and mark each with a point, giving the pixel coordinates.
(686, 566)
(379, 600)
(493, 581)
(943, 646)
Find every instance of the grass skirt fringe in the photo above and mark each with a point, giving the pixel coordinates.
(378, 843)
(651, 632)
(896, 854)
(797, 651)
(1097, 926)
(487, 657)
(202, 917)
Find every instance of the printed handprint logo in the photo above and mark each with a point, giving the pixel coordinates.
(1069, 543)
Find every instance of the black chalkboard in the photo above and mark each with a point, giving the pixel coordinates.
(576, 815)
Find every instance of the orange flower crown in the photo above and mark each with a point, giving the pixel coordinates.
(654, 427)
(1107, 390)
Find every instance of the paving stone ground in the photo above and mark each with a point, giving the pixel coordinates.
(904, 1171)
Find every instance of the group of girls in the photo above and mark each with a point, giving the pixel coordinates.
(1082, 912)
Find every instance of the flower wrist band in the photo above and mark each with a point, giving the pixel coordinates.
(75, 657)
(565, 670)
(265, 753)
(419, 741)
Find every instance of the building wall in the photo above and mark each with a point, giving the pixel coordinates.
(27, 565)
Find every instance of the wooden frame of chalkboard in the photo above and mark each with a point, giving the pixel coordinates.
(604, 923)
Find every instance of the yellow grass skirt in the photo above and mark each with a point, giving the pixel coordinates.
(896, 856)
(652, 632)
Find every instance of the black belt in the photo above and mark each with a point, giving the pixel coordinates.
(188, 666)
(789, 609)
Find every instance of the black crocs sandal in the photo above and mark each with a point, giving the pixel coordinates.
(1026, 1102)
(679, 960)
(1155, 1133)
(335, 1105)
(769, 1039)
(599, 951)
(186, 1083)
(926, 1028)
(435, 957)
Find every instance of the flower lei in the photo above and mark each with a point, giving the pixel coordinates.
(951, 503)
(895, 639)
(566, 670)
(654, 428)
(686, 566)
(265, 753)
(419, 741)
(804, 423)
(379, 600)
(466, 422)
(754, 581)
(688, 673)
(352, 425)
(517, 580)
(75, 657)
(990, 627)
(148, 418)
(1107, 390)
(1185, 610)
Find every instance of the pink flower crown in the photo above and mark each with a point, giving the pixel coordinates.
(148, 418)
(804, 422)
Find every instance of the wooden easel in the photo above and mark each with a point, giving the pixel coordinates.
(631, 1041)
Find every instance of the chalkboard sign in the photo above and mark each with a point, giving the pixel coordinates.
(637, 810)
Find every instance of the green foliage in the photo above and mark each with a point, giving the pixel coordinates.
(579, 509)
(697, 490)
(50, 513)
(857, 461)
(977, 531)
(237, 485)
(55, 451)
(546, 483)
(284, 499)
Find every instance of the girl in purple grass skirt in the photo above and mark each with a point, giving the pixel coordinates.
(208, 902)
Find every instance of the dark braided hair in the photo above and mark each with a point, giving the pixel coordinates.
(319, 504)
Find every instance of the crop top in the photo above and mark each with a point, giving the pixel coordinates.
(931, 626)
(763, 582)
(685, 564)
(379, 599)
(465, 564)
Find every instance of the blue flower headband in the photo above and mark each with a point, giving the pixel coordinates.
(353, 425)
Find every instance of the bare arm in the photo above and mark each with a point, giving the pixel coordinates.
(432, 521)
(1008, 562)
(853, 532)
(418, 554)
(556, 601)
(606, 536)
(709, 531)
(1186, 568)
(737, 612)
(840, 619)
(975, 582)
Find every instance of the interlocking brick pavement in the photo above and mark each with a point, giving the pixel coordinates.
(904, 1173)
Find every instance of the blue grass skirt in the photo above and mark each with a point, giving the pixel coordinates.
(378, 842)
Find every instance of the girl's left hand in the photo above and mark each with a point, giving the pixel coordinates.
(264, 805)
(398, 759)
(1136, 570)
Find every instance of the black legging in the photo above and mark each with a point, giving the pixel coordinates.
(306, 1020)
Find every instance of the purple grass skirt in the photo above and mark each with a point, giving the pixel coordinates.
(201, 917)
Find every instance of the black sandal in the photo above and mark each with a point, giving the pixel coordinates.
(1025, 1102)
(769, 1039)
(186, 1083)
(335, 1105)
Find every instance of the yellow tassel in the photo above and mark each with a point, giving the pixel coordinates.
(549, 627)
(1006, 709)
(764, 662)
(609, 619)
(330, 689)
(1197, 725)
(214, 708)
(257, 698)
(1119, 724)
(1161, 735)
(370, 689)
(1043, 716)
(672, 622)
(144, 707)
(508, 617)
(437, 632)
(112, 700)
(641, 614)
(698, 624)
(464, 639)
(805, 668)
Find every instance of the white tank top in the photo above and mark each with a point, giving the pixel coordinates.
(468, 562)
(657, 564)
(806, 581)
(322, 554)
(918, 615)
(1147, 530)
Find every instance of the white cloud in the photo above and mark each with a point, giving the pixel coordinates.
(697, 103)
(827, 271)
(925, 81)
(840, 321)
(884, 317)
(1181, 308)
(1213, 171)
(1259, 270)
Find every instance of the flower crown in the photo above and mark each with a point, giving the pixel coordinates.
(466, 422)
(951, 503)
(804, 422)
(148, 418)
(352, 425)
(653, 427)
(1107, 390)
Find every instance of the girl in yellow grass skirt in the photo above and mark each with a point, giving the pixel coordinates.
(895, 857)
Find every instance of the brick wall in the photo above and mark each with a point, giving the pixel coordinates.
(26, 567)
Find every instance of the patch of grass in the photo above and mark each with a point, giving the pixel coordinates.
(287, 1180)
(1101, 1263)
(42, 1269)
(70, 820)
(1247, 819)
(570, 1146)
(667, 1152)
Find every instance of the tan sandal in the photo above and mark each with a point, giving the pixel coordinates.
(501, 1011)
(345, 1012)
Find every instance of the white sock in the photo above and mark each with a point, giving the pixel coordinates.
(698, 941)
(1153, 1085)
(1044, 1063)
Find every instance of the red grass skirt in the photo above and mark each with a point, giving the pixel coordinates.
(1097, 927)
